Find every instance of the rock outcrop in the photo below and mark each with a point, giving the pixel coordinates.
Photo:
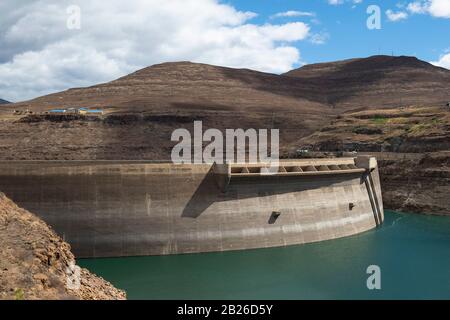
(35, 262)
(417, 184)
(412, 146)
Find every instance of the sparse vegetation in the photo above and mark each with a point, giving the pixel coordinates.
(401, 120)
(417, 128)
(378, 119)
(19, 294)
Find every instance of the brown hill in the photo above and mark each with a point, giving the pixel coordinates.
(377, 82)
(186, 86)
(143, 108)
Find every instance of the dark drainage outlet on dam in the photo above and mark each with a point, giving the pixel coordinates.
(274, 216)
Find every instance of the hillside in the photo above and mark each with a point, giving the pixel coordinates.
(4, 101)
(334, 87)
(401, 130)
(412, 146)
(34, 261)
(143, 108)
(186, 86)
(377, 82)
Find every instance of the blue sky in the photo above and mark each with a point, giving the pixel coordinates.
(48, 46)
(421, 35)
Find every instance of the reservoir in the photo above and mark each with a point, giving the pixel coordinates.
(412, 251)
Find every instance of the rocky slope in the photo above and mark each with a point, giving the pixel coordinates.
(413, 149)
(419, 183)
(34, 261)
(404, 130)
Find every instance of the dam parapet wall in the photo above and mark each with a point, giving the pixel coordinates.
(128, 208)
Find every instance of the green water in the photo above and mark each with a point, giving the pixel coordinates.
(413, 252)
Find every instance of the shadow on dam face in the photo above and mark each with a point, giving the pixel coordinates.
(208, 192)
(126, 208)
(204, 196)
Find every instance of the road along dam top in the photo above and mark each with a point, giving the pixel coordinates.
(128, 208)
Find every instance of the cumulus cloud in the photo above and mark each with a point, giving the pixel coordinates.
(440, 8)
(444, 61)
(436, 8)
(396, 16)
(293, 13)
(39, 54)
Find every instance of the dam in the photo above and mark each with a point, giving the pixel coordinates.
(131, 208)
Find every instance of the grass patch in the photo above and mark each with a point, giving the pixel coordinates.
(435, 120)
(19, 294)
(379, 119)
(402, 120)
(417, 128)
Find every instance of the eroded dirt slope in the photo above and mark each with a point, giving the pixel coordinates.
(34, 261)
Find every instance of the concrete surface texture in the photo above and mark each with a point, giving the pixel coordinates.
(113, 208)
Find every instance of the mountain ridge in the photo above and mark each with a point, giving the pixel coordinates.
(143, 108)
(372, 82)
(377, 81)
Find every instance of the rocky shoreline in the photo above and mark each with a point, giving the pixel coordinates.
(35, 262)
(418, 185)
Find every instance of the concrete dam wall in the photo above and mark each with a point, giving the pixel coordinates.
(127, 208)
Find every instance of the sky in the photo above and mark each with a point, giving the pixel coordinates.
(52, 45)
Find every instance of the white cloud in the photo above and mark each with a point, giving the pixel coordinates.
(396, 16)
(338, 2)
(440, 8)
(444, 61)
(39, 55)
(335, 2)
(319, 38)
(293, 13)
(436, 8)
(417, 7)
